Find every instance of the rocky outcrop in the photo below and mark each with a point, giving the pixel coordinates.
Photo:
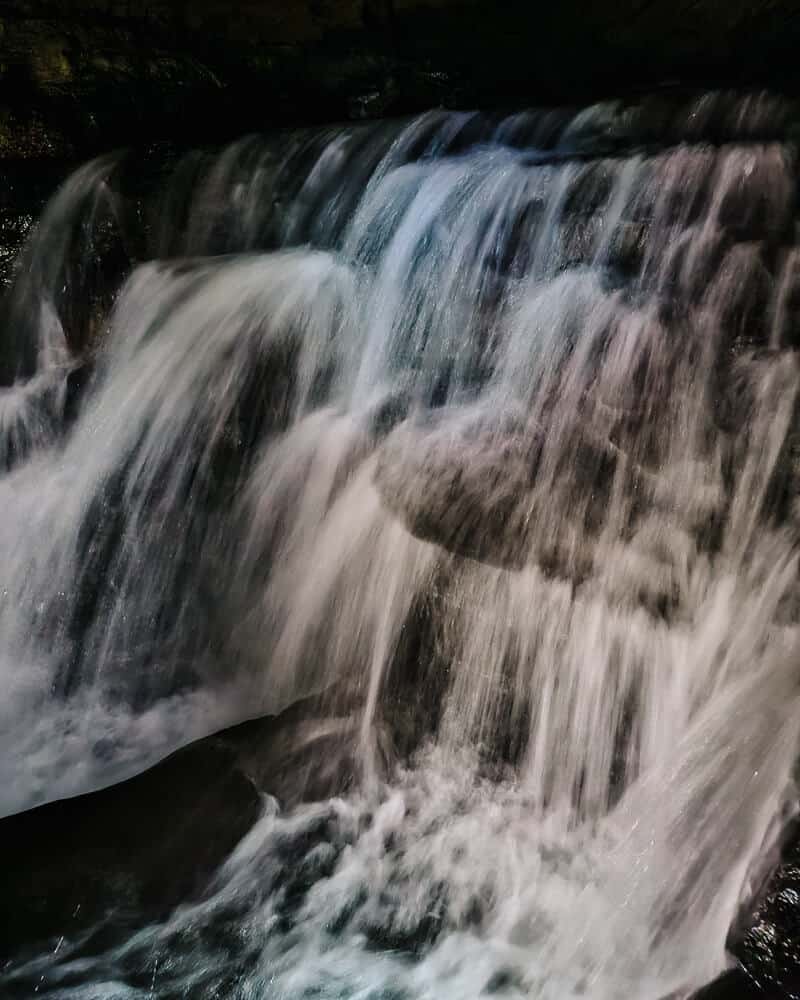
(466, 488)
(86, 75)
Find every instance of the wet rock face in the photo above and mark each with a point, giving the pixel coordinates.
(769, 949)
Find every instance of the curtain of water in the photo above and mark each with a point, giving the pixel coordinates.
(483, 431)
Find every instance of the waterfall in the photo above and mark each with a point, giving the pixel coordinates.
(480, 432)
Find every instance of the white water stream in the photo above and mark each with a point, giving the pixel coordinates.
(498, 442)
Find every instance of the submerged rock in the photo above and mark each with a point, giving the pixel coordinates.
(127, 855)
(135, 850)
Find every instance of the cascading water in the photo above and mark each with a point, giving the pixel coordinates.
(483, 433)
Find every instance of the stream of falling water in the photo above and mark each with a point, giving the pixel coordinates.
(484, 431)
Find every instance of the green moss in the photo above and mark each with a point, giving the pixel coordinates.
(49, 64)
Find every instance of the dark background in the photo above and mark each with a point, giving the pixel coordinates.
(82, 76)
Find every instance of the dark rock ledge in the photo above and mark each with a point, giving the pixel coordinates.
(109, 862)
(85, 75)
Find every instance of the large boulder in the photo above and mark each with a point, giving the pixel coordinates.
(463, 485)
